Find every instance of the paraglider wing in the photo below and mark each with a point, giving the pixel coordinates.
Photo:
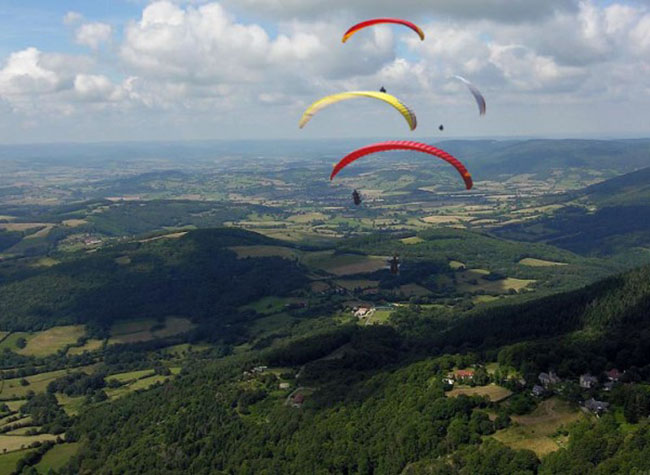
(333, 99)
(404, 145)
(480, 100)
(367, 23)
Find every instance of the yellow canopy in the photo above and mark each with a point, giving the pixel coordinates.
(382, 96)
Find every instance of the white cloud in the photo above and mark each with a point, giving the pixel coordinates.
(500, 10)
(93, 35)
(72, 18)
(199, 64)
(25, 73)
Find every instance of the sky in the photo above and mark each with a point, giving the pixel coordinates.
(117, 70)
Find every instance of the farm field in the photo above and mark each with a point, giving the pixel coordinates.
(10, 341)
(12, 388)
(266, 251)
(351, 264)
(9, 460)
(492, 391)
(143, 383)
(18, 442)
(534, 431)
(141, 330)
(90, 345)
(56, 457)
(532, 262)
(52, 340)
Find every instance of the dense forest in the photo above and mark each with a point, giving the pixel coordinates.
(381, 407)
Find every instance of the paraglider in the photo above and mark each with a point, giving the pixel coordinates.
(403, 145)
(480, 100)
(394, 265)
(356, 197)
(334, 98)
(367, 23)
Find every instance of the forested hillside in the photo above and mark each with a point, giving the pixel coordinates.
(381, 407)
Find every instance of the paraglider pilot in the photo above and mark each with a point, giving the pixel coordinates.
(382, 89)
(394, 265)
(356, 197)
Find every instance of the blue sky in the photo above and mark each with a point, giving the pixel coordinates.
(207, 69)
(40, 22)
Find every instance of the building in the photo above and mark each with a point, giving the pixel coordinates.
(597, 407)
(284, 385)
(297, 400)
(538, 391)
(614, 375)
(362, 312)
(548, 379)
(464, 374)
(588, 381)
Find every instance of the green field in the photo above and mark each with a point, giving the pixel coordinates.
(472, 280)
(141, 330)
(18, 442)
(347, 264)
(12, 388)
(268, 305)
(534, 431)
(412, 240)
(52, 340)
(143, 383)
(10, 341)
(9, 460)
(492, 391)
(131, 375)
(532, 262)
(71, 405)
(56, 457)
(380, 316)
(265, 251)
(352, 284)
(90, 345)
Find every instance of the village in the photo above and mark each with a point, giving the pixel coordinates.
(547, 385)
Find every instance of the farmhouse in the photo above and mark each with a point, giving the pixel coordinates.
(597, 407)
(538, 391)
(548, 379)
(614, 375)
(297, 400)
(588, 381)
(464, 374)
(362, 312)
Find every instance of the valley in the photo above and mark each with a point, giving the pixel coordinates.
(262, 296)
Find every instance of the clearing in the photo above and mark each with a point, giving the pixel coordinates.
(12, 388)
(532, 262)
(50, 341)
(351, 264)
(17, 442)
(534, 431)
(265, 251)
(492, 391)
(143, 330)
(362, 284)
(57, 457)
(90, 345)
(472, 280)
(8, 461)
(411, 240)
